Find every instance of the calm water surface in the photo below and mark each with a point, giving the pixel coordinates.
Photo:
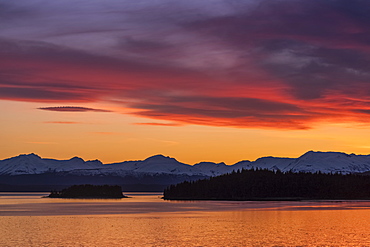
(27, 219)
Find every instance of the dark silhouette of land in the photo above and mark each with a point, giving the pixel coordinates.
(273, 185)
(89, 191)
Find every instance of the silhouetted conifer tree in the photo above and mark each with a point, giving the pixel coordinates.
(257, 184)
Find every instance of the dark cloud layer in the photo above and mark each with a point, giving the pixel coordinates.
(72, 109)
(259, 63)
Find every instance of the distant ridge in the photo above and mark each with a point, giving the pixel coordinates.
(28, 172)
(312, 161)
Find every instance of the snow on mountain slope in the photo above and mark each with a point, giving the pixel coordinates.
(34, 164)
(309, 162)
(155, 164)
(23, 164)
(271, 163)
(213, 169)
(330, 162)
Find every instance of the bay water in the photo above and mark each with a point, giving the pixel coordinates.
(144, 219)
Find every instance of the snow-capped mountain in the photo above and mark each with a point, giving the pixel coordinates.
(155, 164)
(271, 163)
(27, 164)
(213, 169)
(328, 162)
(34, 164)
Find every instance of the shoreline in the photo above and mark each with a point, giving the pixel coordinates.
(282, 199)
(87, 197)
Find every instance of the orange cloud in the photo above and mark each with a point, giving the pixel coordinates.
(106, 133)
(62, 122)
(160, 124)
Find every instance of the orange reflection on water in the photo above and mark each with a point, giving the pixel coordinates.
(242, 228)
(146, 220)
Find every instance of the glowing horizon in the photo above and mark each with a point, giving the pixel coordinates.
(211, 81)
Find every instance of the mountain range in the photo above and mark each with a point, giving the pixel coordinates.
(156, 172)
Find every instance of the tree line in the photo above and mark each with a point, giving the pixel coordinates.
(262, 184)
(89, 191)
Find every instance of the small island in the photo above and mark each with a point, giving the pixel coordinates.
(88, 191)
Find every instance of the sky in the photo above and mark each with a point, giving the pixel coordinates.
(213, 80)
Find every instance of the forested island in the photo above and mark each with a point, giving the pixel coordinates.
(89, 191)
(273, 185)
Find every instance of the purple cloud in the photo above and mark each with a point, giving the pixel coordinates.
(71, 109)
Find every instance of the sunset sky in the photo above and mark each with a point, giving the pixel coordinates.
(196, 80)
